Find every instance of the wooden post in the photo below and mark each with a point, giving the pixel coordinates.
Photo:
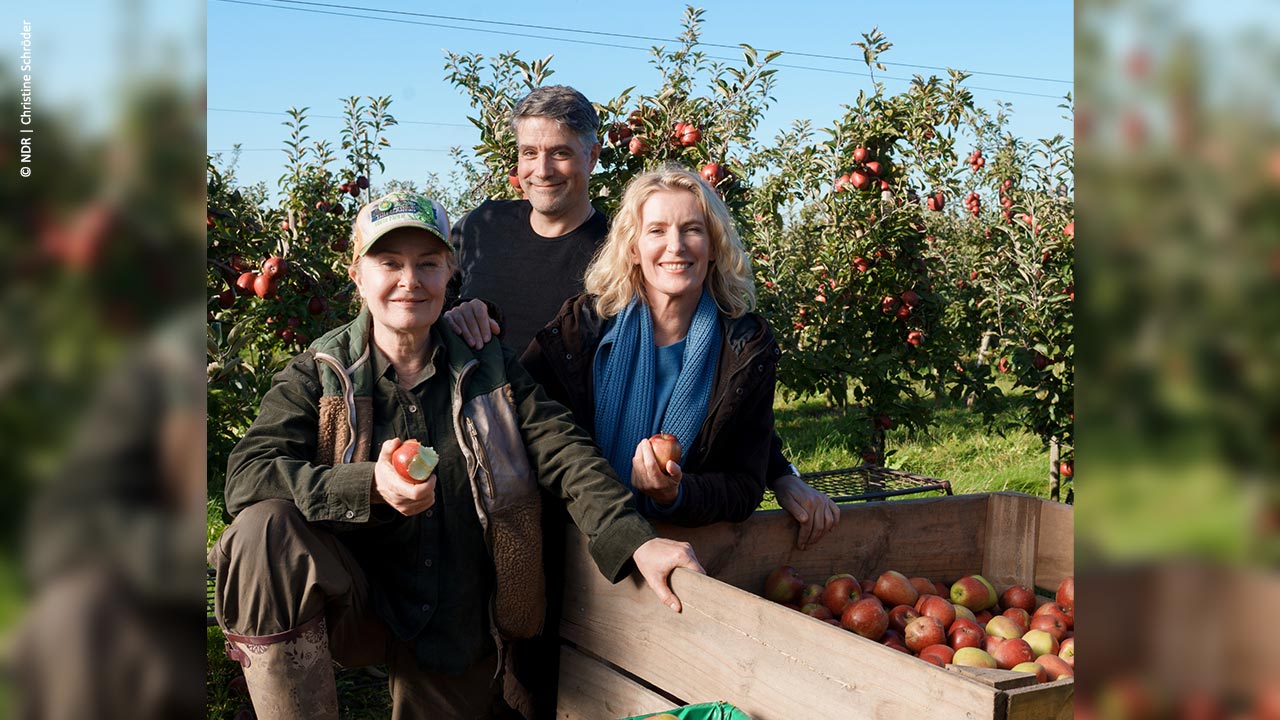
(1054, 452)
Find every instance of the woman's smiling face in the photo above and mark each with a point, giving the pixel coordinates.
(403, 279)
(673, 248)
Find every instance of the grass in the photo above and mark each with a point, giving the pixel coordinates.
(958, 447)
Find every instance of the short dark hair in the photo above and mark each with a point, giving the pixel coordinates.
(564, 105)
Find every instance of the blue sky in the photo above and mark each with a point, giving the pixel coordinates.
(267, 56)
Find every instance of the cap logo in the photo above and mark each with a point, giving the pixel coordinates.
(389, 208)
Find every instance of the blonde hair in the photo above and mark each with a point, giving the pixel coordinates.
(615, 280)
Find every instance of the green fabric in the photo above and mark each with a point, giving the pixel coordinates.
(702, 711)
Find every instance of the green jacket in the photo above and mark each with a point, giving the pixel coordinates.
(496, 432)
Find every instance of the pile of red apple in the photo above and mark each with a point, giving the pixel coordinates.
(965, 624)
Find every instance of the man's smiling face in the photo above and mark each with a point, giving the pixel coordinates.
(554, 167)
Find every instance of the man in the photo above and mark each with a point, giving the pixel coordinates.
(528, 256)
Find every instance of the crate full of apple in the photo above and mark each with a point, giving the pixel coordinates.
(625, 654)
(965, 624)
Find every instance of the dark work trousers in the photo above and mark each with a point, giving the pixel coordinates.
(276, 571)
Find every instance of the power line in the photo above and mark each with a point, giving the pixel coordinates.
(621, 47)
(391, 149)
(337, 117)
(602, 33)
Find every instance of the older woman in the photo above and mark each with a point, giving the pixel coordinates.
(334, 554)
(663, 341)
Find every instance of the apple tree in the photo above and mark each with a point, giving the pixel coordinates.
(709, 131)
(277, 271)
(843, 240)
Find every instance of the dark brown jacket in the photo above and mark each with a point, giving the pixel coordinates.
(725, 470)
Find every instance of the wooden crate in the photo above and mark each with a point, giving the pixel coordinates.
(627, 654)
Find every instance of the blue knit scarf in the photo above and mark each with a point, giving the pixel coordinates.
(624, 382)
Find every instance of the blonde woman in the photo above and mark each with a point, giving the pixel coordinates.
(664, 340)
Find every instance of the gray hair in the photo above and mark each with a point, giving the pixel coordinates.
(564, 105)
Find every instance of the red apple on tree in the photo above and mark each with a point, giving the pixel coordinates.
(264, 286)
(713, 173)
(244, 283)
(861, 154)
(275, 267)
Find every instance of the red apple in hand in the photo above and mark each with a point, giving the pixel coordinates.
(415, 462)
(667, 448)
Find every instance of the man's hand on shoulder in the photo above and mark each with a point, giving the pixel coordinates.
(472, 322)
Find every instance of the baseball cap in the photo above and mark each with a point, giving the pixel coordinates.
(398, 210)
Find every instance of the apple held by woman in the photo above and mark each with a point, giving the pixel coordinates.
(414, 461)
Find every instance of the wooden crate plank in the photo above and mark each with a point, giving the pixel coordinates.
(771, 662)
(1009, 555)
(590, 690)
(939, 538)
(993, 677)
(1047, 701)
(1055, 550)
